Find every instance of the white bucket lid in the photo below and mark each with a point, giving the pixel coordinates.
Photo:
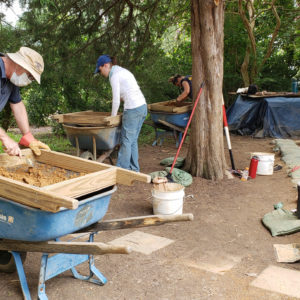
(261, 154)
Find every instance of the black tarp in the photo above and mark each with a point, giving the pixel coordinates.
(265, 117)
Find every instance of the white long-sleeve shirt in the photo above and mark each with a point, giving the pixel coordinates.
(124, 87)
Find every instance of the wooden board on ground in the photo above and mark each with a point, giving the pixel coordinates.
(287, 252)
(171, 106)
(89, 118)
(63, 194)
(265, 94)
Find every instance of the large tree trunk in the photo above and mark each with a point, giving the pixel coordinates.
(205, 156)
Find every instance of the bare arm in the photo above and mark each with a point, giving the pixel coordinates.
(185, 92)
(20, 113)
(21, 117)
(9, 146)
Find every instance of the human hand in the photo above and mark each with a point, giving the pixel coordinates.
(11, 147)
(36, 147)
(28, 140)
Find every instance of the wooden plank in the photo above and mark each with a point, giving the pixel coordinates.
(78, 164)
(11, 161)
(89, 183)
(60, 117)
(94, 248)
(128, 177)
(89, 118)
(165, 107)
(94, 118)
(68, 162)
(171, 125)
(137, 222)
(34, 196)
(273, 94)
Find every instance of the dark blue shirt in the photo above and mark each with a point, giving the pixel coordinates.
(188, 79)
(8, 91)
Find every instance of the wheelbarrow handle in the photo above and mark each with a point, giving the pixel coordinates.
(136, 222)
(93, 248)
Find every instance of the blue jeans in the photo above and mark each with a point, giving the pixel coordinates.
(132, 122)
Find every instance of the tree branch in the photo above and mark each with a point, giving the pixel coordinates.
(274, 35)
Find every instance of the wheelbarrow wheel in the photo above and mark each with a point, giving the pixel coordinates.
(7, 262)
(87, 155)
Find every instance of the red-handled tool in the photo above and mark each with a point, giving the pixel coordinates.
(227, 135)
(169, 176)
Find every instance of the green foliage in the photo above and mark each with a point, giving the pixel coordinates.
(283, 63)
(57, 143)
(151, 38)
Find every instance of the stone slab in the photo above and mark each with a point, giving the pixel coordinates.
(142, 242)
(218, 263)
(279, 280)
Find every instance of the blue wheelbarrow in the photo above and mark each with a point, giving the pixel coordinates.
(33, 218)
(24, 229)
(94, 143)
(168, 124)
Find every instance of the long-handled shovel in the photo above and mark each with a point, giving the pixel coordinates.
(227, 134)
(169, 176)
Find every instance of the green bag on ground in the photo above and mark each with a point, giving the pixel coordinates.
(169, 161)
(178, 176)
(281, 222)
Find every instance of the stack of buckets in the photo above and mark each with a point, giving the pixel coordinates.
(264, 165)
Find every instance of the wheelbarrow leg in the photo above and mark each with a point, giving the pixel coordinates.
(94, 149)
(42, 278)
(59, 263)
(21, 274)
(77, 146)
(93, 270)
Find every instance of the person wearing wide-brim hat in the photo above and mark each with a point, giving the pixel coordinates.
(185, 84)
(17, 70)
(125, 88)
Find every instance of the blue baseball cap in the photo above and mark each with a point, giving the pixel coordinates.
(102, 59)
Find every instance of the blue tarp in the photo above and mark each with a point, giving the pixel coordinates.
(265, 117)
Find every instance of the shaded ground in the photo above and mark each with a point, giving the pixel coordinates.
(227, 226)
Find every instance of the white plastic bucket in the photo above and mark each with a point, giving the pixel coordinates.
(168, 199)
(265, 163)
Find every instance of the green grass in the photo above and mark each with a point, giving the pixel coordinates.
(147, 135)
(57, 143)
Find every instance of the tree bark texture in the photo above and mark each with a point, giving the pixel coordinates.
(205, 156)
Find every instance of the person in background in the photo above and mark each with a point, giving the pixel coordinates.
(185, 84)
(125, 88)
(17, 70)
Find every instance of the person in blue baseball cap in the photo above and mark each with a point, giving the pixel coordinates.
(125, 88)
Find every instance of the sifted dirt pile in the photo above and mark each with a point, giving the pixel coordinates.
(39, 174)
(177, 104)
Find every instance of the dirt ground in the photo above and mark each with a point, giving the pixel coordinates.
(227, 223)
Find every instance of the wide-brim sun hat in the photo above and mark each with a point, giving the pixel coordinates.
(30, 60)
